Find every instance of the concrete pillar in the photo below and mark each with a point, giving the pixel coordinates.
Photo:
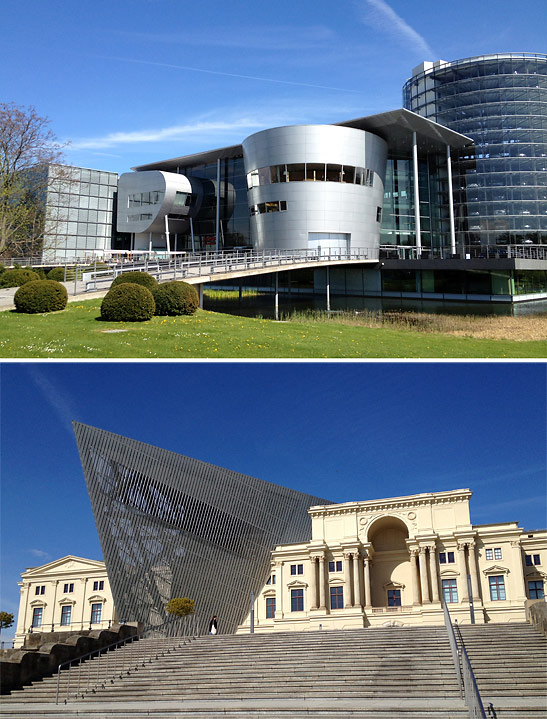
(313, 582)
(423, 577)
(462, 576)
(322, 599)
(415, 576)
(356, 580)
(328, 288)
(277, 295)
(433, 570)
(201, 295)
(347, 581)
(475, 586)
(368, 594)
(416, 194)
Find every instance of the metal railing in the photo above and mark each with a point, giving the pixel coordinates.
(464, 252)
(85, 674)
(469, 691)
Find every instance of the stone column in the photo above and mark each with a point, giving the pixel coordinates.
(415, 576)
(423, 577)
(322, 602)
(473, 571)
(462, 576)
(357, 580)
(368, 592)
(313, 582)
(434, 573)
(280, 591)
(347, 581)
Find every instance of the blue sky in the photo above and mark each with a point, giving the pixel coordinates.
(342, 431)
(133, 82)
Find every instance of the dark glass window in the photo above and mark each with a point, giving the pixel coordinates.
(497, 588)
(297, 569)
(98, 585)
(68, 588)
(271, 579)
(446, 557)
(450, 591)
(535, 590)
(270, 607)
(393, 597)
(528, 560)
(40, 589)
(335, 566)
(297, 600)
(66, 613)
(336, 597)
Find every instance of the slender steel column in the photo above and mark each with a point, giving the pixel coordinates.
(416, 193)
(149, 242)
(217, 219)
(450, 202)
(328, 289)
(201, 295)
(167, 234)
(277, 295)
(192, 236)
(434, 573)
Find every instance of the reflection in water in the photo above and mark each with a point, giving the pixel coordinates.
(263, 305)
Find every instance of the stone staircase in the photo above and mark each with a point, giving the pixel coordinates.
(364, 674)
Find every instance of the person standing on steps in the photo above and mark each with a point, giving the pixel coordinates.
(213, 629)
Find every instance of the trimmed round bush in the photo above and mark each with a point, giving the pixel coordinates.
(136, 278)
(175, 298)
(40, 296)
(17, 277)
(57, 274)
(128, 302)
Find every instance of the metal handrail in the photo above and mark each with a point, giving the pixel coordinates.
(480, 252)
(172, 634)
(464, 670)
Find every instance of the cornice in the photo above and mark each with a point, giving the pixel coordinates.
(395, 503)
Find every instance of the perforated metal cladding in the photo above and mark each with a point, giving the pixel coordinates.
(172, 526)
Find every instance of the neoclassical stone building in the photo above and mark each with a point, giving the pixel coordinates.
(394, 561)
(68, 594)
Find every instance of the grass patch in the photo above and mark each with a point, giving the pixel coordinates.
(76, 333)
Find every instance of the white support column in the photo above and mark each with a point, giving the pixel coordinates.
(416, 194)
(150, 241)
(192, 236)
(201, 295)
(322, 600)
(167, 235)
(276, 313)
(356, 580)
(423, 577)
(450, 202)
(415, 576)
(462, 576)
(281, 592)
(347, 581)
(434, 574)
(473, 571)
(368, 595)
(313, 582)
(328, 289)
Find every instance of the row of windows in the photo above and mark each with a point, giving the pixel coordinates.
(137, 218)
(66, 615)
(145, 198)
(264, 207)
(69, 587)
(310, 172)
(531, 559)
(79, 201)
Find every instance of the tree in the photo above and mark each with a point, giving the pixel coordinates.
(6, 620)
(180, 606)
(27, 148)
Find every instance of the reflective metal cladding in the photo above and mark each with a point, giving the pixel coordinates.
(173, 526)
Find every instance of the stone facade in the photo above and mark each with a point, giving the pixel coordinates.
(393, 561)
(66, 595)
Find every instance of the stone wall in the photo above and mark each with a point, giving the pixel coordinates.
(536, 612)
(44, 653)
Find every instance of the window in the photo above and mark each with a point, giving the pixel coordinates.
(68, 588)
(497, 553)
(96, 611)
(446, 557)
(66, 612)
(532, 559)
(393, 597)
(37, 616)
(40, 589)
(337, 597)
(535, 590)
(297, 600)
(271, 579)
(489, 554)
(270, 607)
(450, 591)
(297, 569)
(378, 214)
(497, 588)
(98, 585)
(182, 199)
(335, 566)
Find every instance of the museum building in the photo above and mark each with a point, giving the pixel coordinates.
(172, 526)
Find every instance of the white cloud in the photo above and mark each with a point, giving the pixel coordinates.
(39, 553)
(378, 14)
(57, 400)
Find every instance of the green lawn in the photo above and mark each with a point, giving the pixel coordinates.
(77, 333)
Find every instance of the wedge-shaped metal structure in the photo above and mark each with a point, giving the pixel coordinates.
(172, 526)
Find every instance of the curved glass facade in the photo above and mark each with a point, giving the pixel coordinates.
(500, 186)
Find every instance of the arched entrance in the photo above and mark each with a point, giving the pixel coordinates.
(390, 572)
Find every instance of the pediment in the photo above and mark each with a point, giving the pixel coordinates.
(269, 593)
(69, 564)
(96, 598)
(336, 580)
(495, 569)
(393, 585)
(37, 603)
(447, 573)
(297, 584)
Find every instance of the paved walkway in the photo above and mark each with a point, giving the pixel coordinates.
(7, 293)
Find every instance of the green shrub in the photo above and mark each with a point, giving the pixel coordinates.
(40, 296)
(175, 298)
(57, 274)
(180, 606)
(128, 302)
(17, 277)
(136, 278)
(2, 269)
(40, 272)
